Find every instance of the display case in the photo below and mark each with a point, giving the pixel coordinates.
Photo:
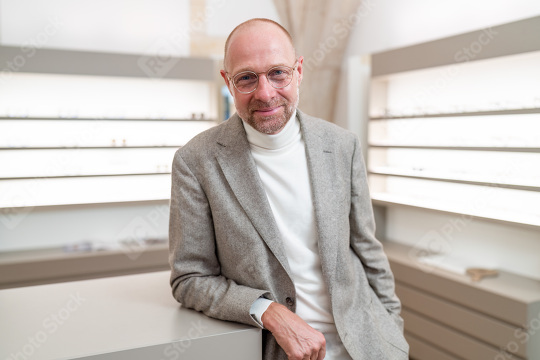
(453, 138)
(455, 125)
(85, 127)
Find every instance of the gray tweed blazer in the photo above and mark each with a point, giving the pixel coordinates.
(226, 250)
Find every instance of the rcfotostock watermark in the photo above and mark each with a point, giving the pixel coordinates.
(340, 31)
(421, 100)
(435, 245)
(19, 198)
(465, 54)
(471, 51)
(49, 326)
(160, 57)
(135, 236)
(522, 337)
(174, 351)
(17, 202)
(29, 49)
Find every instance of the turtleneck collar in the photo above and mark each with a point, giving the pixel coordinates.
(289, 134)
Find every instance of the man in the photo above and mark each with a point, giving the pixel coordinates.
(271, 221)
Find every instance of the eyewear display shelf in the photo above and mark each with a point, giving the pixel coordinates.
(82, 131)
(453, 128)
(455, 122)
(87, 127)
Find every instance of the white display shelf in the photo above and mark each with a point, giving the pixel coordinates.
(82, 127)
(456, 134)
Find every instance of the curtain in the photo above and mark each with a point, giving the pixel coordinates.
(320, 30)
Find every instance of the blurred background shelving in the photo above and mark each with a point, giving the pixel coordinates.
(449, 128)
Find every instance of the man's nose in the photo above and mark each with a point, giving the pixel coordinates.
(265, 91)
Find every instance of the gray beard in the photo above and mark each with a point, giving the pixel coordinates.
(271, 124)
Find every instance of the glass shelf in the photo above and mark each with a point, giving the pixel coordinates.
(28, 193)
(460, 88)
(501, 204)
(98, 133)
(84, 162)
(457, 114)
(507, 168)
(485, 131)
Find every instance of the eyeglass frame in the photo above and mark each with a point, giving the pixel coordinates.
(293, 68)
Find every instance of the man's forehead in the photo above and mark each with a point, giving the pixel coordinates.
(259, 58)
(256, 46)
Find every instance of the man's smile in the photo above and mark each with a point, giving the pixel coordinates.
(267, 111)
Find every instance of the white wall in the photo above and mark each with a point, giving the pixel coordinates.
(225, 15)
(388, 24)
(124, 26)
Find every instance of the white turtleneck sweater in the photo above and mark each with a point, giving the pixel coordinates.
(282, 166)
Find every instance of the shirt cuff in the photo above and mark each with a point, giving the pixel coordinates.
(258, 308)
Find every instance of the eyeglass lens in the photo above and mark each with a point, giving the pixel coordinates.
(279, 77)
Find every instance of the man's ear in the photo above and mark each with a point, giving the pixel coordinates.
(300, 69)
(227, 82)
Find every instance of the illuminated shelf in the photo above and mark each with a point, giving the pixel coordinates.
(101, 119)
(83, 176)
(120, 147)
(380, 199)
(472, 113)
(450, 178)
(34, 192)
(459, 135)
(479, 148)
(93, 128)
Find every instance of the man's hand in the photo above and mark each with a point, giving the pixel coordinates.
(299, 340)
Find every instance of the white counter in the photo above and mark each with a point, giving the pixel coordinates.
(128, 317)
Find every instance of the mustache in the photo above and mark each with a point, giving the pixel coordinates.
(257, 104)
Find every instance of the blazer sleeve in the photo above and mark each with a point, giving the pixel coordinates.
(196, 279)
(363, 241)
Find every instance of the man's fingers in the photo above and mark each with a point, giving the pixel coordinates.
(299, 340)
(322, 353)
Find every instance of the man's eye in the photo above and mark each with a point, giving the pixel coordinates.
(278, 73)
(245, 77)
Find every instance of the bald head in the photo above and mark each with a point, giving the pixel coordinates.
(258, 26)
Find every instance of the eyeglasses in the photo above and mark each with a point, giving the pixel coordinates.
(279, 77)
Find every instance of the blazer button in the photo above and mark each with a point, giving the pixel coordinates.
(289, 301)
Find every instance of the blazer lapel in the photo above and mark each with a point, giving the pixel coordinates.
(320, 153)
(235, 159)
